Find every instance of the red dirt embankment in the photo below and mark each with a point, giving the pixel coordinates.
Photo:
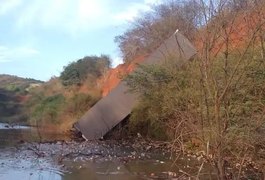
(237, 31)
(112, 78)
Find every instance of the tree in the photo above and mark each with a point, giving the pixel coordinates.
(90, 66)
(149, 31)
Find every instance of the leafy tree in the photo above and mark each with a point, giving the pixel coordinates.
(90, 66)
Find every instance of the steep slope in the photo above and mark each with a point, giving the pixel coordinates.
(114, 76)
(231, 32)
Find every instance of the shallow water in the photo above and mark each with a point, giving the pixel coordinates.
(19, 161)
(12, 135)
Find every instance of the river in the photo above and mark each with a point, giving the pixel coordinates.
(24, 157)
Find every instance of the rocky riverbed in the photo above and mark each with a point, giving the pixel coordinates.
(24, 154)
(94, 160)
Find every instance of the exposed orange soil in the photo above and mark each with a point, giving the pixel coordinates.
(114, 76)
(238, 33)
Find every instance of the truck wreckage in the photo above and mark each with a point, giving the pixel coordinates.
(118, 104)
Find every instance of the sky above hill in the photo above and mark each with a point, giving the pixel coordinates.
(39, 37)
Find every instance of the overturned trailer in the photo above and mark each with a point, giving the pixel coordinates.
(118, 104)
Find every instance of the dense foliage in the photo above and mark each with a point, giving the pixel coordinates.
(165, 91)
(48, 108)
(175, 105)
(89, 67)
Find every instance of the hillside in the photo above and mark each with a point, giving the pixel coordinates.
(16, 84)
(13, 94)
(62, 100)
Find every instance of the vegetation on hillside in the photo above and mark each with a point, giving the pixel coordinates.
(58, 102)
(13, 89)
(90, 67)
(62, 101)
(17, 84)
(215, 103)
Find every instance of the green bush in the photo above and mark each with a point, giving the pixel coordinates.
(141, 122)
(90, 66)
(164, 90)
(49, 108)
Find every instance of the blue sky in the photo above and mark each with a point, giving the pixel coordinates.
(39, 37)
